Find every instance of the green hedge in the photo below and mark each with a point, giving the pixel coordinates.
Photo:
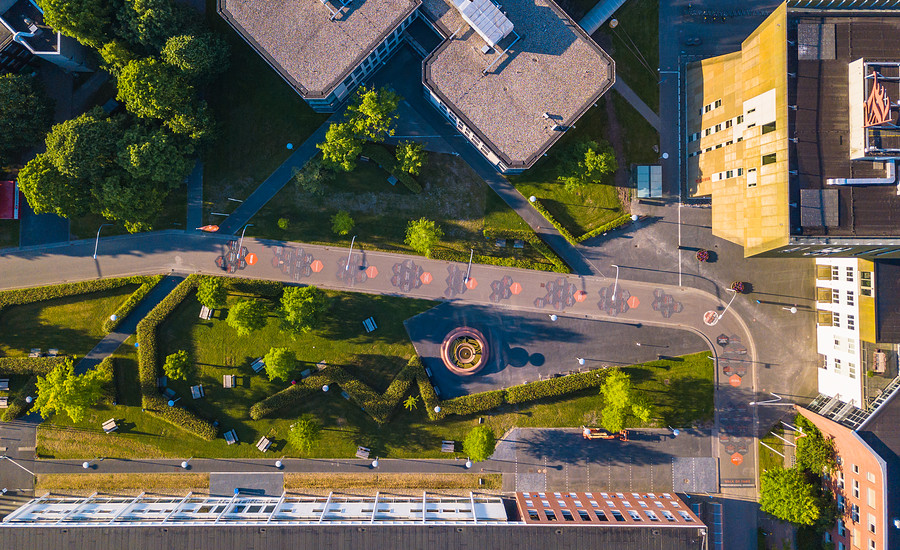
(109, 325)
(291, 395)
(534, 240)
(554, 387)
(29, 365)
(18, 407)
(567, 235)
(41, 293)
(608, 226)
(474, 403)
(148, 367)
(386, 160)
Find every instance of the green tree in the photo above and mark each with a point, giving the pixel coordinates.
(304, 433)
(314, 177)
(48, 191)
(152, 22)
(342, 223)
(116, 54)
(177, 365)
(479, 443)
(212, 293)
(280, 363)
(88, 21)
(588, 162)
(422, 235)
(411, 403)
(155, 155)
(620, 398)
(815, 452)
(302, 308)
(200, 57)
(411, 156)
(153, 89)
(133, 202)
(372, 113)
(25, 114)
(65, 392)
(341, 148)
(86, 148)
(792, 495)
(247, 316)
(283, 223)
(195, 123)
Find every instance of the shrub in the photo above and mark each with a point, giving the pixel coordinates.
(291, 395)
(18, 406)
(211, 292)
(422, 235)
(41, 293)
(110, 325)
(554, 387)
(29, 365)
(534, 240)
(283, 223)
(247, 316)
(180, 417)
(280, 362)
(474, 403)
(342, 223)
(177, 365)
(608, 226)
(567, 235)
(480, 443)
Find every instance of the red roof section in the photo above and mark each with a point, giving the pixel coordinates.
(9, 200)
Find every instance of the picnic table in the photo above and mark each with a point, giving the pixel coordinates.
(264, 444)
(230, 437)
(206, 313)
(4, 384)
(228, 381)
(110, 425)
(448, 446)
(258, 365)
(197, 391)
(362, 452)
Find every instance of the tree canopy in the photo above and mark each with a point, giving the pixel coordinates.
(341, 147)
(314, 177)
(48, 191)
(211, 292)
(373, 112)
(24, 114)
(150, 23)
(620, 397)
(304, 433)
(479, 443)
(793, 495)
(153, 89)
(342, 223)
(280, 363)
(62, 391)
(588, 162)
(815, 452)
(200, 57)
(88, 21)
(302, 308)
(422, 235)
(177, 365)
(411, 156)
(247, 316)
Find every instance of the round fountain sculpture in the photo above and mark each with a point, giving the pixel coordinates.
(464, 351)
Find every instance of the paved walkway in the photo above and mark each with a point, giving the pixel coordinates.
(195, 197)
(631, 97)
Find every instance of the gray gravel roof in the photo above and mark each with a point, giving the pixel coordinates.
(555, 68)
(310, 50)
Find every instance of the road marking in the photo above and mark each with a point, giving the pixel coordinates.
(679, 243)
(26, 449)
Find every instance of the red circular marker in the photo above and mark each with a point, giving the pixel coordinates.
(633, 302)
(515, 288)
(734, 380)
(737, 459)
(316, 266)
(426, 278)
(471, 283)
(371, 272)
(580, 296)
(251, 259)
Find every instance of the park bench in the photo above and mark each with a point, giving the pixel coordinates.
(197, 391)
(53, 352)
(206, 313)
(305, 373)
(518, 243)
(161, 382)
(110, 426)
(448, 446)
(362, 452)
(428, 372)
(35, 352)
(264, 444)
(4, 402)
(170, 393)
(231, 437)
(345, 395)
(369, 324)
(4, 384)
(258, 365)
(228, 381)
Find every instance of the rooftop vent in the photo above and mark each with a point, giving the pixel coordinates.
(485, 17)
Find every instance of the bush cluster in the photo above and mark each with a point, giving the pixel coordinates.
(567, 235)
(41, 293)
(109, 325)
(17, 407)
(554, 387)
(608, 226)
(386, 160)
(148, 365)
(29, 365)
(534, 240)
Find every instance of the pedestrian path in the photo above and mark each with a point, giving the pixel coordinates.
(631, 97)
(195, 197)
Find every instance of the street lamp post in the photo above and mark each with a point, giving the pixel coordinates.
(469, 269)
(720, 315)
(241, 243)
(792, 309)
(350, 254)
(17, 464)
(97, 241)
(770, 401)
(616, 285)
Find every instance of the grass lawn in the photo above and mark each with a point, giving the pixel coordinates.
(73, 324)
(258, 114)
(121, 483)
(432, 482)
(634, 45)
(9, 233)
(453, 195)
(767, 458)
(582, 211)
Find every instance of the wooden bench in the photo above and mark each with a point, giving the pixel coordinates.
(35, 352)
(206, 313)
(4, 402)
(362, 452)
(4, 384)
(53, 352)
(258, 365)
(110, 425)
(197, 391)
(448, 446)
(305, 373)
(228, 381)
(264, 444)
(369, 324)
(170, 393)
(230, 437)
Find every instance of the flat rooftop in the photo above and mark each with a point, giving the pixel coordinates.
(821, 122)
(554, 68)
(45, 39)
(310, 50)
